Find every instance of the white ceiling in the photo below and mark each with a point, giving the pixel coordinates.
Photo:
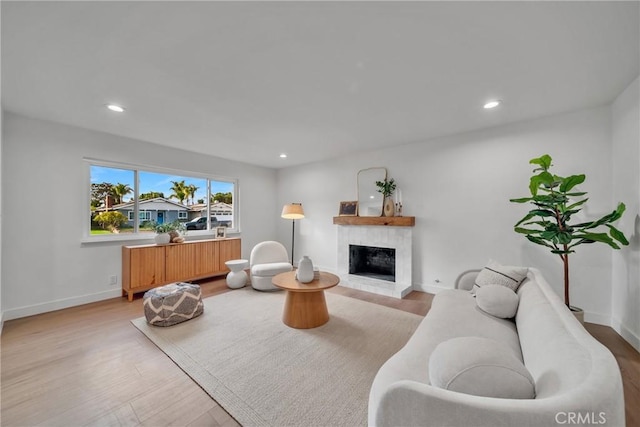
(316, 80)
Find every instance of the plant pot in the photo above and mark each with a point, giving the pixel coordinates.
(162, 238)
(579, 313)
(389, 207)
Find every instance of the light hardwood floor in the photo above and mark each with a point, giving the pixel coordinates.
(88, 366)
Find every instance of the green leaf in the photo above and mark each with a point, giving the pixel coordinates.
(526, 218)
(571, 181)
(534, 183)
(578, 194)
(617, 214)
(542, 212)
(546, 178)
(576, 204)
(543, 161)
(618, 235)
(521, 200)
(612, 217)
(550, 235)
(564, 238)
(599, 237)
(561, 252)
(539, 241)
(542, 224)
(525, 230)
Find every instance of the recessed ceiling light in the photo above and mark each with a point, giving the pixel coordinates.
(283, 156)
(116, 108)
(492, 104)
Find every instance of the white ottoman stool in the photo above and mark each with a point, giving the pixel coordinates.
(237, 277)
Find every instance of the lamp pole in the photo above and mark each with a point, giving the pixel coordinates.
(293, 240)
(292, 211)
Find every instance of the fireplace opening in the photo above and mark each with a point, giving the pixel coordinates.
(373, 262)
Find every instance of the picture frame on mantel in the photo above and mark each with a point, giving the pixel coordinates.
(349, 208)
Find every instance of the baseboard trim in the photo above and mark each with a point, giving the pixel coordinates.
(431, 289)
(597, 318)
(626, 333)
(31, 310)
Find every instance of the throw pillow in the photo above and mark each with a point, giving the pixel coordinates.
(498, 301)
(481, 367)
(496, 274)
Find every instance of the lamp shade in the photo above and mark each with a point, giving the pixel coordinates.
(293, 211)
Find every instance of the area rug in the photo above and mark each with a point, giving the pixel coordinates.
(265, 373)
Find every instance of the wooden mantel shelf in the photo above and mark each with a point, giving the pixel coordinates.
(397, 221)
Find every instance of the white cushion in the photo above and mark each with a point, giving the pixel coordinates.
(270, 269)
(498, 301)
(496, 274)
(481, 367)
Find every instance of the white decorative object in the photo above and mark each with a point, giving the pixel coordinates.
(305, 270)
(163, 238)
(389, 207)
(237, 277)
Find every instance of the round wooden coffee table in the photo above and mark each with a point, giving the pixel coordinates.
(305, 306)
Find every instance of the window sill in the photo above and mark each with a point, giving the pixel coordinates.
(126, 237)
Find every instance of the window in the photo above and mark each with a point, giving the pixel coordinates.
(131, 200)
(144, 216)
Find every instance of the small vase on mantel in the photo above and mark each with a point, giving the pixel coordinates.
(305, 270)
(389, 207)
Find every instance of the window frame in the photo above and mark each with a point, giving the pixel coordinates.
(136, 168)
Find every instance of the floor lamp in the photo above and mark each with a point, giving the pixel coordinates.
(292, 211)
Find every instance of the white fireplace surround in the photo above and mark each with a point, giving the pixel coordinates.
(398, 238)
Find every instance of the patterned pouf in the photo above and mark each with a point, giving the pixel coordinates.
(172, 304)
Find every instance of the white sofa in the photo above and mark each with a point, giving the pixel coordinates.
(577, 380)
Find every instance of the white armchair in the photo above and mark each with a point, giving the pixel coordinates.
(268, 259)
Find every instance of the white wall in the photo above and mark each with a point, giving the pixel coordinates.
(1, 149)
(458, 188)
(626, 188)
(44, 264)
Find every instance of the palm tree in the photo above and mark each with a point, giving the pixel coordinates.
(180, 191)
(222, 198)
(191, 188)
(119, 191)
(151, 195)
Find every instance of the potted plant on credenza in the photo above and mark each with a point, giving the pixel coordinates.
(549, 223)
(169, 232)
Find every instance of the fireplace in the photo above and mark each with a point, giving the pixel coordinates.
(374, 262)
(389, 257)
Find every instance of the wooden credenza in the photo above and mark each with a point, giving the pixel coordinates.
(148, 266)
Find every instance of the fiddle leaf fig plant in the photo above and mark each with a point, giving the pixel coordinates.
(549, 223)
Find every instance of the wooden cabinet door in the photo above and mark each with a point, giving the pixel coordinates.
(207, 260)
(229, 249)
(146, 267)
(180, 262)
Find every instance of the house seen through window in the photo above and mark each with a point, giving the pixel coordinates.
(200, 203)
